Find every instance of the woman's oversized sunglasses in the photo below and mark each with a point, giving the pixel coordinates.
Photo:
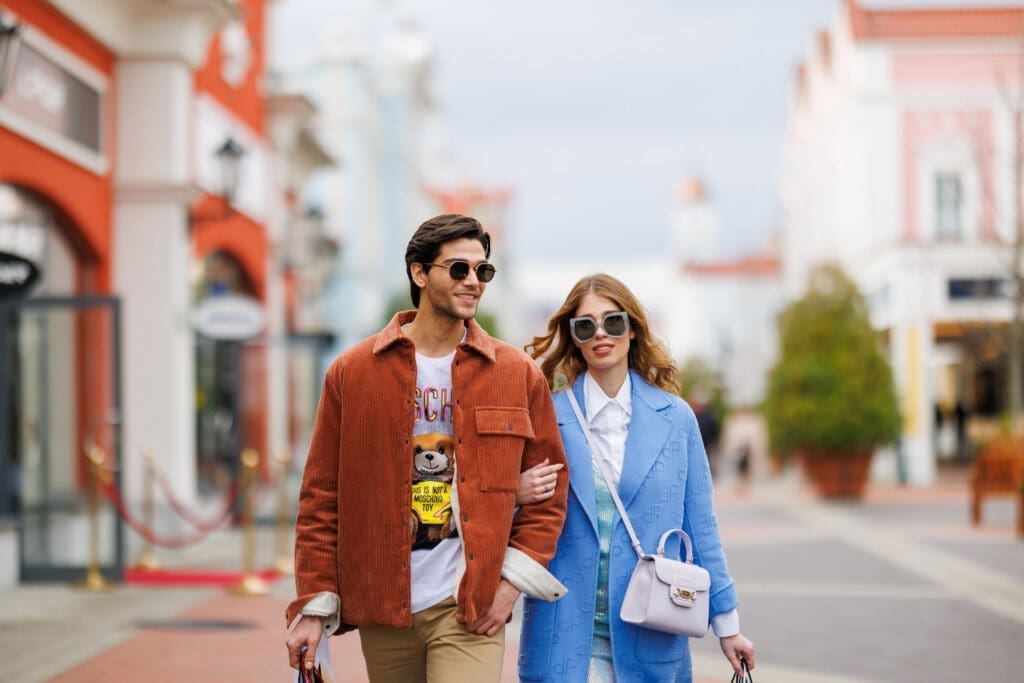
(584, 328)
(459, 270)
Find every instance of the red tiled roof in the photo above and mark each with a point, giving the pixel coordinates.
(758, 266)
(959, 22)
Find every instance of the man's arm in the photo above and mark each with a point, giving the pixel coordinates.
(536, 527)
(316, 526)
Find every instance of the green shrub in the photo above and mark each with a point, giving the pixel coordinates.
(831, 388)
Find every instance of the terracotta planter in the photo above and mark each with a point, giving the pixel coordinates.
(836, 475)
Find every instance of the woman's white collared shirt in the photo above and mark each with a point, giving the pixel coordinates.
(609, 418)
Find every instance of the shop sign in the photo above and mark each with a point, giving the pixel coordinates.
(17, 275)
(51, 96)
(229, 318)
(21, 250)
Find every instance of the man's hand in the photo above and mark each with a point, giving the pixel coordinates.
(496, 616)
(306, 633)
(538, 483)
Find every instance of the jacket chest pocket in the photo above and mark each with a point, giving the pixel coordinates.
(502, 433)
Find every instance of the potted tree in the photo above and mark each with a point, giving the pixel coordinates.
(830, 398)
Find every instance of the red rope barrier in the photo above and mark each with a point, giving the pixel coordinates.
(114, 497)
(233, 495)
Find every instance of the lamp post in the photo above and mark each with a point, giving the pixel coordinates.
(229, 157)
(10, 38)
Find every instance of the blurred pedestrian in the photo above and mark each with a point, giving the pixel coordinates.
(743, 466)
(599, 343)
(407, 528)
(707, 423)
(960, 418)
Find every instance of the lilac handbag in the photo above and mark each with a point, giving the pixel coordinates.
(663, 594)
(668, 595)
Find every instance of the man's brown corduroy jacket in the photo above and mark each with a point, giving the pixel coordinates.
(352, 530)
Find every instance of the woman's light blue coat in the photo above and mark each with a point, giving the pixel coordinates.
(666, 484)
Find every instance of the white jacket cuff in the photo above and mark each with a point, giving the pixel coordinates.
(327, 606)
(529, 576)
(726, 624)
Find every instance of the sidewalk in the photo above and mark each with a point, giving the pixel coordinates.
(889, 590)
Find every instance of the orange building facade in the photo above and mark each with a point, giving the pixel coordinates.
(135, 189)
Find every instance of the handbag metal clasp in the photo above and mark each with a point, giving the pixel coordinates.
(684, 594)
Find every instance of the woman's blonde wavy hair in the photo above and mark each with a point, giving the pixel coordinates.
(562, 362)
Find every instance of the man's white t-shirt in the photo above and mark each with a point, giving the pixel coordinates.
(436, 547)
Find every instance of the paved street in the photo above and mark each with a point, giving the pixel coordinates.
(899, 588)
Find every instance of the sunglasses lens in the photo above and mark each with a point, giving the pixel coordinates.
(485, 272)
(583, 329)
(459, 270)
(614, 324)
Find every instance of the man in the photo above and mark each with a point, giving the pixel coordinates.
(407, 527)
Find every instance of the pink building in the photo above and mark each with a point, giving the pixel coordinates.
(898, 164)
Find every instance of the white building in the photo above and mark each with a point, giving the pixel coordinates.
(897, 164)
(373, 86)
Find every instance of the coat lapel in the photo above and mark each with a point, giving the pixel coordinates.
(577, 452)
(649, 429)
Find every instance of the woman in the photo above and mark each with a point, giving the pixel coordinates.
(598, 345)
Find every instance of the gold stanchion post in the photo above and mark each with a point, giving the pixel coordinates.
(94, 580)
(147, 558)
(284, 562)
(250, 583)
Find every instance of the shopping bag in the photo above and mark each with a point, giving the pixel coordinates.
(745, 678)
(322, 671)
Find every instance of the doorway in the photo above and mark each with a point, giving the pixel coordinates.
(59, 395)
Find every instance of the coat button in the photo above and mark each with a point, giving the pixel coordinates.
(465, 518)
(508, 427)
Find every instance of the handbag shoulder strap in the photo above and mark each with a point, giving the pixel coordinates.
(602, 467)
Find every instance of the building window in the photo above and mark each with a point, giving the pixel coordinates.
(981, 288)
(948, 202)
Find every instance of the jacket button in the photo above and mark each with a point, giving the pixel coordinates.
(465, 518)
(462, 479)
(471, 556)
(508, 427)
(460, 440)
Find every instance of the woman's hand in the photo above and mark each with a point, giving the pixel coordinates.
(736, 648)
(537, 483)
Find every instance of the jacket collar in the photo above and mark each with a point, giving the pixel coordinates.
(476, 338)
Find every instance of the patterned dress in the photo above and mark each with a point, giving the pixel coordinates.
(601, 668)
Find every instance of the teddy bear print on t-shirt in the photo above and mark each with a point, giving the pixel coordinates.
(433, 467)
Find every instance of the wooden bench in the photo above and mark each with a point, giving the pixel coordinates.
(999, 471)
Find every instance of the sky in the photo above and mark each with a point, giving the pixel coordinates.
(592, 110)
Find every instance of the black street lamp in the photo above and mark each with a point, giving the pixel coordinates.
(229, 158)
(10, 38)
(229, 155)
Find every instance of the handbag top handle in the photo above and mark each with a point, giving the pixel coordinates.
(612, 488)
(686, 543)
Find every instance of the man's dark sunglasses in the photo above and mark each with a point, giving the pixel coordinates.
(459, 270)
(584, 328)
